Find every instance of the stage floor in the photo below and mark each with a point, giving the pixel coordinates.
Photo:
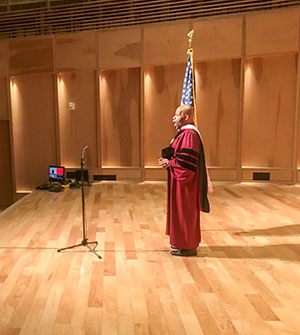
(245, 279)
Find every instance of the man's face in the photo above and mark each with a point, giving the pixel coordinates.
(178, 119)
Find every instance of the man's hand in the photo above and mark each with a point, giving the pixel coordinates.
(210, 189)
(163, 162)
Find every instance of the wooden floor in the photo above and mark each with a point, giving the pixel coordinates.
(245, 280)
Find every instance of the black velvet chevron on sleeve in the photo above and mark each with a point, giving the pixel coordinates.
(186, 165)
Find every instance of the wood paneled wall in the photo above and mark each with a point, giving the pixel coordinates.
(4, 58)
(120, 117)
(3, 99)
(75, 52)
(31, 55)
(269, 111)
(6, 190)
(34, 129)
(218, 38)
(271, 33)
(126, 84)
(119, 49)
(163, 88)
(218, 93)
(78, 127)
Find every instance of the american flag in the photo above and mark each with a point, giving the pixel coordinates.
(188, 87)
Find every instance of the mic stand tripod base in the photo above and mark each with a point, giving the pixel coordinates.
(84, 243)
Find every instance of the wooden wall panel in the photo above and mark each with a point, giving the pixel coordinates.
(75, 51)
(272, 32)
(298, 129)
(269, 111)
(155, 173)
(298, 144)
(163, 89)
(218, 94)
(218, 38)
(223, 174)
(120, 117)
(77, 128)
(34, 131)
(6, 192)
(120, 49)
(3, 99)
(4, 58)
(31, 55)
(166, 44)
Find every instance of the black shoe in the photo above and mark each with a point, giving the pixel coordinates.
(184, 252)
(173, 247)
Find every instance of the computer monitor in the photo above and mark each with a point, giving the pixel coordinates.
(56, 174)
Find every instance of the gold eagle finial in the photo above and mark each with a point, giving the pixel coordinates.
(190, 35)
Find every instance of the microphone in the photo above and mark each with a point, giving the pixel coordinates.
(83, 152)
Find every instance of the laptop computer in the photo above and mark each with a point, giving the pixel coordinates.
(57, 174)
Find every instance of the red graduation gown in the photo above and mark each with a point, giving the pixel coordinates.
(187, 190)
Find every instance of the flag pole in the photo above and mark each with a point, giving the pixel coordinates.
(191, 53)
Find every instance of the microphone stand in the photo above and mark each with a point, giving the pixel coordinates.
(84, 241)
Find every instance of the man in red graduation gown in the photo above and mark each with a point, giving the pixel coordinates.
(188, 184)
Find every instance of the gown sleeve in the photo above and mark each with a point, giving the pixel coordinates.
(185, 161)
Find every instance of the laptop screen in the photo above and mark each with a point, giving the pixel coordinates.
(56, 174)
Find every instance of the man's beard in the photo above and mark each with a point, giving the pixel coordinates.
(179, 124)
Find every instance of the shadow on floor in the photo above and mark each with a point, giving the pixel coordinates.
(286, 252)
(292, 229)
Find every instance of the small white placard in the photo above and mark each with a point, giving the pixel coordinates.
(71, 106)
